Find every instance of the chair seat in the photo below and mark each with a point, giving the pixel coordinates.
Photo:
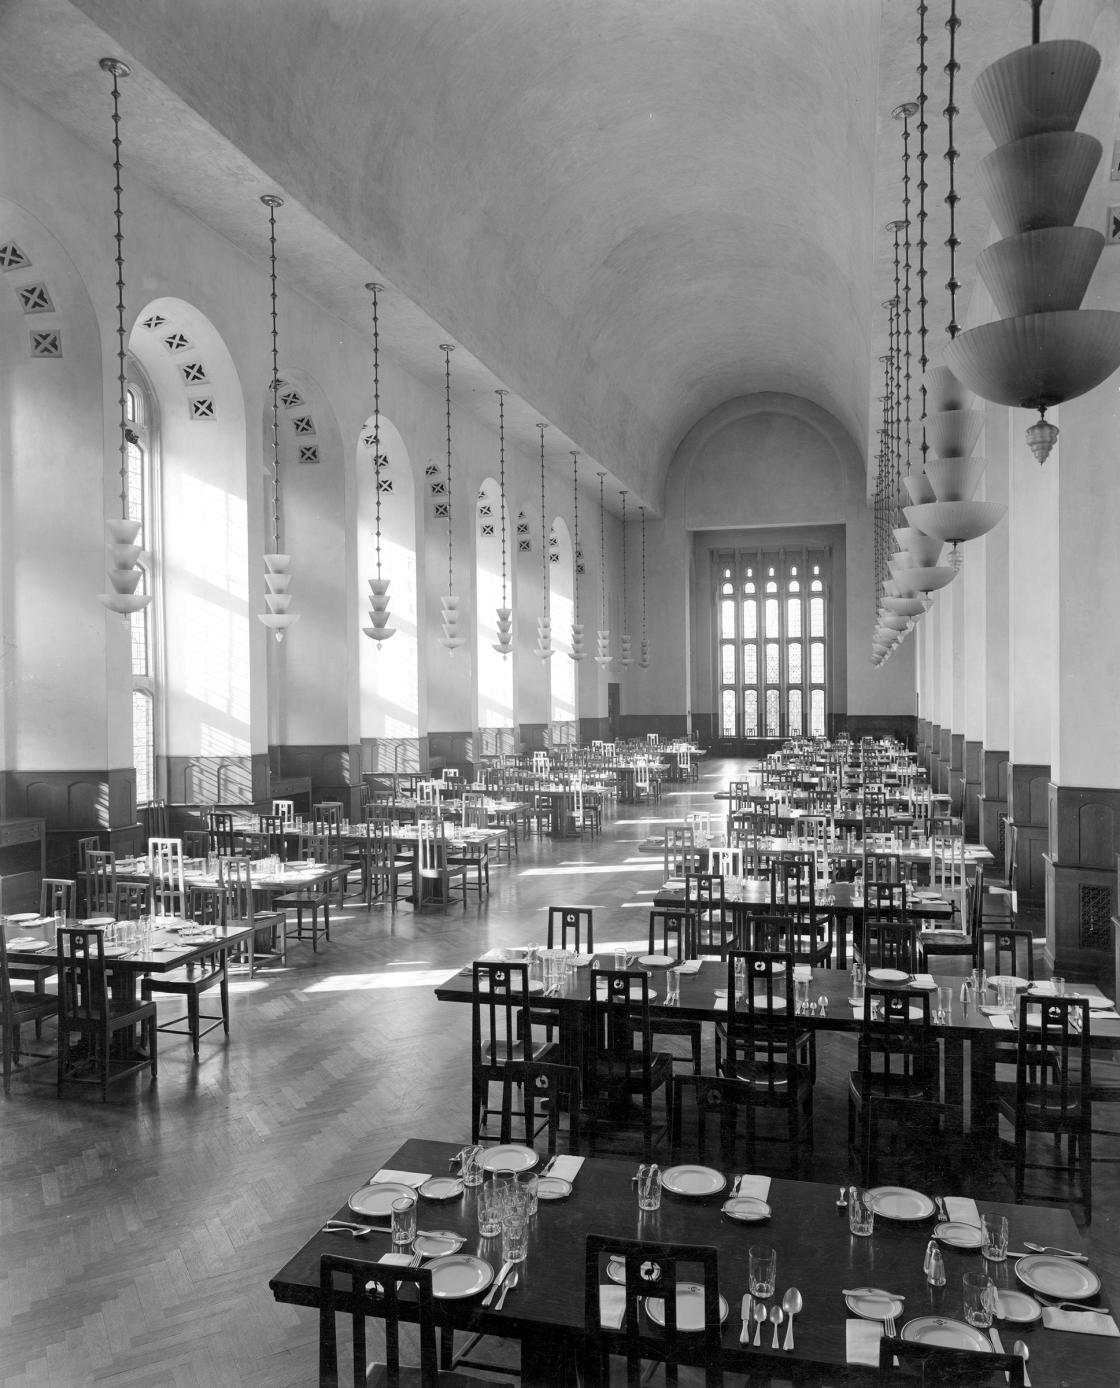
(660, 1072)
(31, 1007)
(897, 1089)
(182, 980)
(1038, 1116)
(498, 1052)
(377, 1376)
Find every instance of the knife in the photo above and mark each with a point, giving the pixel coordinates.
(506, 1268)
(745, 1333)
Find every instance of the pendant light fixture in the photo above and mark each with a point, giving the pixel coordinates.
(627, 656)
(603, 635)
(504, 643)
(277, 566)
(577, 653)
(452, 638)
(544, 623)
(378, 629)
(125, 573)
(643, 649)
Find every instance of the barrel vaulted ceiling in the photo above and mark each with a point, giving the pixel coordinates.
(627, 211)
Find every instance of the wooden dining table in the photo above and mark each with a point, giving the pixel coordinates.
(816, 1254)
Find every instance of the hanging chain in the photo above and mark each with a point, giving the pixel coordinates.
(952, 67)
(602, 554)
(642, 509)
(447, 348)
(378, 461)
(903, 113)
(117, 70)
(544, 537)
(625, 619)
(575, 533)
(501, 394)
(923, 300)
(272, 201)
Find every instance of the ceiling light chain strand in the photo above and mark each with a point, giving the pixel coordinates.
(952, 67)
(626, 657)
(897, 364)
(577, 652)
(904, 112)
(451, 639)
(923, 299)
(504, 643)
(544, 625)
(125, 535)
(603, 635)
(378, 629)
(643, 655)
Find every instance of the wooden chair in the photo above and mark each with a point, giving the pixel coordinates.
(384, 866)
(898, 1079)
(165, 866)
(1011, 949)
(361, 1289)
(436, 875)
(58, 895)
(698, 1102)
(680, 855)
(18, 1007)
(571, 927)
(704, 896)
(1052, 1092)
(946, 870)
(911, 1364)
(196, 843)
(501, 1037)
(272, 825)
(131, 900)
(890, 944)
(193, 980)
(85, 845)
(793, 892)
(473, 856)
(651, 1270)
(100, 882)
(764, 1049)
(219, 828)
(310, 899)
(623, 1071)
(327, 813)
(673, 932)
(236, 877)
(284, 810)
(89, 1012)
(548, 1091)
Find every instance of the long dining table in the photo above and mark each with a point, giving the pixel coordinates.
(816, 1254)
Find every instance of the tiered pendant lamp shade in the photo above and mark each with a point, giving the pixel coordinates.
(504, 621)
(451, 617)
(603, 635)
(125, 573)
(379, 629)
(578, 651)
(277, 565)
(1045, 348)
(543, 648)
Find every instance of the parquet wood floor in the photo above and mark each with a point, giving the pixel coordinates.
(137, 1237)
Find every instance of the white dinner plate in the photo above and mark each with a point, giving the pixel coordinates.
(888, 976)
(376, 1201)
(1021, 984)
(536, 986)
(872, 1303)
(1060, 1278)
(958, 1234)
(24, 916)
(656, 961)
(747, 1209)
(459, 1275)
(28, 944)
(690, 1307)
(937, 1330)
(99, 920)
(116, 951)
(512, 1158)
(616, 1270)
(553, 1188)
(1017, 1307)
(437, 1243)
(898, 1202)
(693, 1180)
(441, 1188)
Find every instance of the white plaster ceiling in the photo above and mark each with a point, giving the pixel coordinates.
(627, 211)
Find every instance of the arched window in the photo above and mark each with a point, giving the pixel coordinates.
(145, 625)
(772, 654)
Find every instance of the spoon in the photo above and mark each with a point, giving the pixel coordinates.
(1058, 1252)
(775, 1321)
(791, 1304)
(356, 1231)
(1024, 1354)
(759, 1322)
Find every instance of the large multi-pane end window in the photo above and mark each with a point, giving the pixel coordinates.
(772, 642)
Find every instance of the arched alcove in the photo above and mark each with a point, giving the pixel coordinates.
(389, 717)
(494, 692)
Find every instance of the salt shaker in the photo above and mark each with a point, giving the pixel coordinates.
(935, 1272)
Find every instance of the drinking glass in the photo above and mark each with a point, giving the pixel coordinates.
(515, 1234)
(527, 1188)
(979, 1299)
(762, 1270)
(404, 1221)
(944, 1005)
(1005, 995)
(861, 1213)
(470, 1165)
(649, 1187)
(620, 957)
(993, 1237)
(505, 1183)
(855, 990)
(1059, 986)
(489, 1210)
(801, 995)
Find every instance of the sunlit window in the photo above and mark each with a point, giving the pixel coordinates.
(142, 479)
(776, 686)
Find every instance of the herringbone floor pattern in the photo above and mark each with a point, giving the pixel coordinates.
(137, 1237)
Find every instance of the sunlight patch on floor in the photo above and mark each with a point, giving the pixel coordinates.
(372, 983)
(589, 869)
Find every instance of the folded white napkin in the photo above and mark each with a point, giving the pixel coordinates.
(401, 1178)
(401, 1260)
(690, 966)
(566, 1168)
(1080, 1322)
(1104, 1015)
(962, 1210)
(862, 1341)
(923, 981)
(612, 1306)
(758, 1186)
(720, 1005)
(1042, 989)
(1001, 1021)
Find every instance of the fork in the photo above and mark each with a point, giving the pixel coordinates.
(890, 1328)
(510, 1283)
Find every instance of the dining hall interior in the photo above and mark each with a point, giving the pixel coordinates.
(468, 466)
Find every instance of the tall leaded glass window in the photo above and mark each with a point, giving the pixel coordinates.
(772, 642)
(143, 625)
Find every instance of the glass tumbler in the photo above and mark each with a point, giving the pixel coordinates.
(979, 1299)
(993, 1237)
(649, 1187)
(489, 1210)
(515, 1234)
(762, 1270)
(861, 1213)
(527, 1189)
(404, 1221)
